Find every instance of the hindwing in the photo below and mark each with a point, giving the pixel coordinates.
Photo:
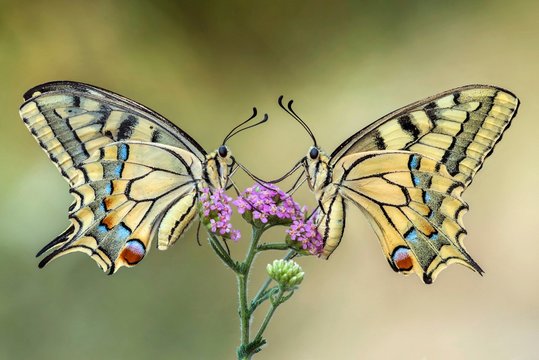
(129, 193)
(414, 206)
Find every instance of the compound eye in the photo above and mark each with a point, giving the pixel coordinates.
(223, 151)
(313, 153)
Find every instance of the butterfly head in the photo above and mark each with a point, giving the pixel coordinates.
(316, 165)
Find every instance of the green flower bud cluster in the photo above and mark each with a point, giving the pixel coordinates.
(286, 272)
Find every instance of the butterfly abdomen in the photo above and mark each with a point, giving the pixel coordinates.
(331, 221)
(177, 219)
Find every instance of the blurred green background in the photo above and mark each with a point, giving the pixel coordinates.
(204, 65)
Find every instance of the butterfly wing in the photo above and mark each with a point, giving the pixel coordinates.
(459, 128)
(125, 191)
(130, 193)
(72, 120)
(413, 204)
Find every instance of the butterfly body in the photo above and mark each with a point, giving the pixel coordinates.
(407, 171)
(134, 175)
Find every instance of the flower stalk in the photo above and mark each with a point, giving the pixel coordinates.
(263, 206)
(243, 277)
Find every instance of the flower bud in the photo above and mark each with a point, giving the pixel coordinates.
(285, 272)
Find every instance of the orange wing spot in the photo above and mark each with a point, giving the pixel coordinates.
(402, 259)
(108, 202)
(114, 201)
(419, 222)
(133, 252)
(109, 221)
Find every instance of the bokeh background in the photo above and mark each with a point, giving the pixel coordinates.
(204, 65)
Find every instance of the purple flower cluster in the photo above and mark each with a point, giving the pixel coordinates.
(261, 204)
(216, 213)
(306, 233)
(268, 202)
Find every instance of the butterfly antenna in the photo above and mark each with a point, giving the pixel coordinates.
(230, 134)
(237, 129)
(292, 113)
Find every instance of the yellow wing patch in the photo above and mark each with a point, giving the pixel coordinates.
(414, 206)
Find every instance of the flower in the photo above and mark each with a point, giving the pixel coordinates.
(286, 272)
(215, 212)
(263, 203)
(304, 235)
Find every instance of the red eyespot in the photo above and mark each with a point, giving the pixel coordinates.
(402, 259)
(133, 252)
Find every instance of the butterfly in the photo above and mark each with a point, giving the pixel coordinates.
(134, 175)
(406, 172)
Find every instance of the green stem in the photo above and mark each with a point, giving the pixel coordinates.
(262, 289)
(247, 348)
(274, 304)
(272, 246)
(223, 255)
(244, 312)
(243, 278)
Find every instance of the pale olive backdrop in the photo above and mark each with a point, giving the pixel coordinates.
(204, 65)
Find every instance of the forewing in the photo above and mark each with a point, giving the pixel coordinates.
(129, 193)
(72, 120)
(413, 204)
(459, 128)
